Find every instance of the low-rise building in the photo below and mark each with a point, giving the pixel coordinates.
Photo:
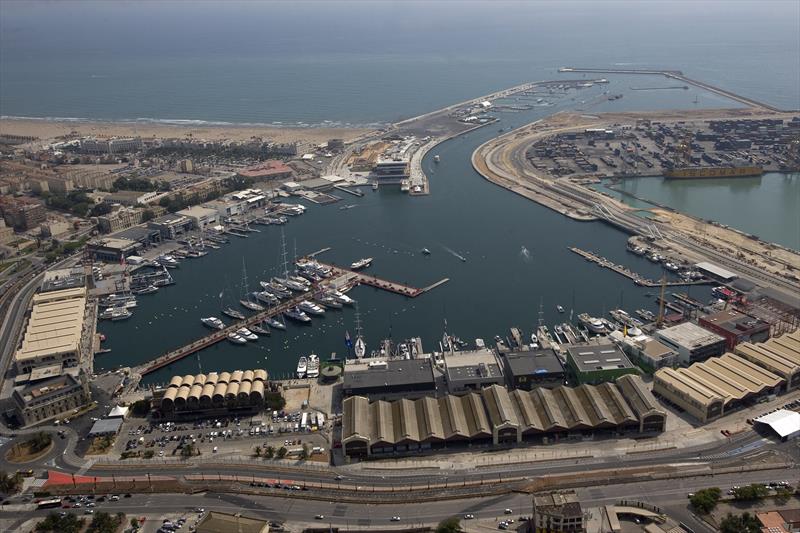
(598, 362)
(780, 355)
(472, 370)
(391, 171)
(112, 249)
(171, 225)
(120, 219)
(557, 512)
(692, 342)
(202, 217)
(22, 213)
(386, 379)
(53, 397)
(735, 327)
(534, 368)
(223, 393)
(648, 352)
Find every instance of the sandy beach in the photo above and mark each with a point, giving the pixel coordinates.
(52, 129)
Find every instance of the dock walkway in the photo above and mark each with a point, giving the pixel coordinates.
(624, 271)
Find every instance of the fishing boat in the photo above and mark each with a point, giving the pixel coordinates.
(258, 330)
(311, 308)
(361, 263)
(213, 322)
(233, 313)
(312, 366)
(246, 334)
(236, 339)
(296, 314)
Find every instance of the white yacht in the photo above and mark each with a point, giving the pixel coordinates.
(360, 348)
(274, 323)
(246, 334)
(302, 366)
(296, 314)
(311, 307)
(342, 297)
(312, 368)
(361, 263)
(594, 325)
(236, 339)
(213, 322)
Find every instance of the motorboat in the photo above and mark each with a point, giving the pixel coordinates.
(292, 284)
(274, 323)
(233, 313)
(594, 325)
(251, 305)
(150, 289)
(236, 338)
(213, 322)
(361, 263)
(342, 297)
(296, 314)
(312, 366)
(328, 301)
(560, 309)
(302, 366)
(115, 299)
(258, 330)
(115, 313)
(167, 261)
(425, 251)
(247, 334)
(311, 308)
(267, 297)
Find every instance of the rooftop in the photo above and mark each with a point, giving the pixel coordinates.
(271, 167)
(716, 270)
(564, 503)
(596, 357)
(689, 335)
(197, 211)
(394, 374)
(782, 421)
(471, 365)
(55, 325)
(533, 362)
(735, 322)
(106, 425)
(114, 243)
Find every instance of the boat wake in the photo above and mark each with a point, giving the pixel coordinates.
(455, 254)
(525, 254)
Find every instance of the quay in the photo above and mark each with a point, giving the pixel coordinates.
(341, 279)
(354, 192)
(636, 278)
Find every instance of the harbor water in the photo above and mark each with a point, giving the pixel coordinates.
(516, 255)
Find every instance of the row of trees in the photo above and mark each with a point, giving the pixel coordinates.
(69, 523)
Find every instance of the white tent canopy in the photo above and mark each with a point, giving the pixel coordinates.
(783, 422)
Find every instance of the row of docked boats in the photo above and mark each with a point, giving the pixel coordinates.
(308, 367)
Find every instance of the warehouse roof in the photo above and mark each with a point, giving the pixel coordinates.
(716, 271)
(55, 324)
(393, 374)
(471, 365)
(105, 426)
(597, 357)
(535, 362)
(687, 386)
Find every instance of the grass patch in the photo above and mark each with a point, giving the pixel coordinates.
(26, 452)
(100, 445)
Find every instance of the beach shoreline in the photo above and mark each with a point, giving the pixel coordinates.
(45, 129)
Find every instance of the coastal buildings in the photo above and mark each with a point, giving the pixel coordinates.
(735, 327)
(472, 370)
(391, 171)
(112, 249)
(121, 218)
(201, 217)
(495, 415)
(49, 393)
(411, 378)
(272, 169)
(557, 512)
(115, 145)
(171, 225)
(692, 342)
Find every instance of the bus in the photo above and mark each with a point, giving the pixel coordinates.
(49, 503)
(304, 421)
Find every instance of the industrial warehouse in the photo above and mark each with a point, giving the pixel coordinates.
(719, 385)
(202, 395)
(495, 415)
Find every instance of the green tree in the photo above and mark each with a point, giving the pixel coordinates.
(705, 500)
(744, 523)
(40, 441)
(148, 214)
(269, 453)
(782, 494)
(449, 525)
(134, 523)
(148, 454)
(187, 450)
(257, 451)
(103, 522)
(756, 491)
(140, 407)
(103, 208)
(282, 452)
(304, 453)
(54, 523)
(10, 484)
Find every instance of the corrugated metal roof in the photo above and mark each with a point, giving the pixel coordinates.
(782, 421)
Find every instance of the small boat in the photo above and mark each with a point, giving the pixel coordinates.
(436, 158)
(328, 301)
(302, 366)
(267, 297)
(425, 251)
(274, 323)
(312, 366)
(361, 263)
(311, 308)
(213, 322)
(559, 309)
(296, 314)
(374, 185)
(258, 330)
(247, 334)
(236, 339)
(150, 289)
(233, 313)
